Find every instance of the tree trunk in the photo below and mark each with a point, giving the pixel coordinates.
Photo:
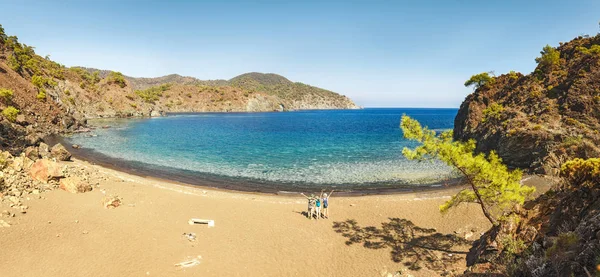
(486, 213)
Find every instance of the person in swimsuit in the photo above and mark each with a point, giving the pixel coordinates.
(311, 205)
(318, 206)
(325, 201)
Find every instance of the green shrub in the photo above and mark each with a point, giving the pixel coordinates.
(41, 94)
(593, 50)
(513, 75)
(6, 94)
(513, 246)
(42, 82)
(550, 57)
(57, 73)
(14, 64)
(95, 77)
(582, 172)
(152, 94)
(116, 78)
(493, 111)
(10, 113)
(535, 94)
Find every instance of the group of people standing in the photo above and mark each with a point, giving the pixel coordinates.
(318, 206)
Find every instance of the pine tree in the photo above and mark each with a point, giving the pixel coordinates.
(496, 189)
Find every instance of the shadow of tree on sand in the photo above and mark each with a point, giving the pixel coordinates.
(412, 245)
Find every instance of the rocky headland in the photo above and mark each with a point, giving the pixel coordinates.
(547, 123)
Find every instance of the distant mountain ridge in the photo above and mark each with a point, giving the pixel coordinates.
(276, 88)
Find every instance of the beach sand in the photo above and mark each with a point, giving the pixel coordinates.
(66, 234)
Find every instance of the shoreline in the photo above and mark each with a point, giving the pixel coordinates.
(233, 184)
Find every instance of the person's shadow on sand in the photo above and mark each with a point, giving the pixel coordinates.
(304, 213)
(414, 246)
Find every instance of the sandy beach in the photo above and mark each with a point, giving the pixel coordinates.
(65, 234)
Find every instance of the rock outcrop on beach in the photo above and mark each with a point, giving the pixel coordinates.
(539, 120)
(29, 174)
(543, 122)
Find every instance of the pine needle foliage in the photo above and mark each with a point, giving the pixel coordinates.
(550, 57)
(491, 185)
(479, 80)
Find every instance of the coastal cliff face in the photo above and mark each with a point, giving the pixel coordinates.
(546, 122)
(28, 113)
(538, 121)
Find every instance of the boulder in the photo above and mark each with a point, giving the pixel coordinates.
(17, 164)
(68, 121)
(32, 153)
(76, 146)
(60, 153)
(44, 150)
(45, 170)
(33, 139)
(5, 155)
(74, 185)
(27, 163)
(21, 120)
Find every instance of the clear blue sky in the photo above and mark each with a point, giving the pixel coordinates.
(379, 53)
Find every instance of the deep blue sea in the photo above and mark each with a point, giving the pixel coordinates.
(333, 147)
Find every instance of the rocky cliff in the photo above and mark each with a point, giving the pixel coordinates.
(28, 112)
(538, 121)
(545, 122)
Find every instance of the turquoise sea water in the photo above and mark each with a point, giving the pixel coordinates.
(341, 147)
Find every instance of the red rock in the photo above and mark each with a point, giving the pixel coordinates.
(44, 170)
(74, 185)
